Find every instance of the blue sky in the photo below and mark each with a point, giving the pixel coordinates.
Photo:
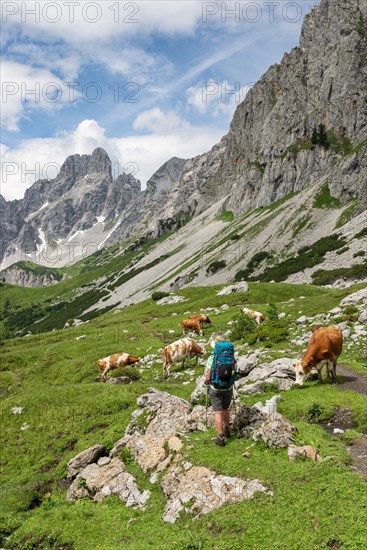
(146, 80)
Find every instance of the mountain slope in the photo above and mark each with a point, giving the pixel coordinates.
(299, 137)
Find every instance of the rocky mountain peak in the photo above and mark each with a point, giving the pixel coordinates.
(77, 166)
(166, 176)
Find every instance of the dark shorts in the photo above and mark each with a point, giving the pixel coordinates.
(221, 400)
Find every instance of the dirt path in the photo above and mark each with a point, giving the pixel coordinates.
(343, 419)
(352, 380)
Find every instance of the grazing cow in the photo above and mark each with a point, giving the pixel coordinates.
(256, 315)
(114, 361)
(204, 319)
(324, 349)
(192, 324)
(178, 351)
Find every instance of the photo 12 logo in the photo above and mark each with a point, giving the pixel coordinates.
(69, 92)
(233, 93)
(253, 12)
(70, 11)
(50, 170)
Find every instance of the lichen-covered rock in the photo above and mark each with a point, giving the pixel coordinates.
(81, 460)
(357, 297)
(238, 287)
(169, 300)
(199, 490)
(200, 389)
(276, 432)
(307, 451)
(245, 363)
(159, 417)
(105, 478)
(203, 417)
(279, 372)
(246, 419)
(302, 320)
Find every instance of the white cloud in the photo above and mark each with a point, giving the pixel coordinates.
(156, 121)
(215, 98)
(27, 88)
(86, 22)
(168, 136)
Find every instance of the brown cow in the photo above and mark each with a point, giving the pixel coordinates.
(114, 361)
(324, 349)
(192, 324)
(204, 319)
(178, 351)
(258, 317)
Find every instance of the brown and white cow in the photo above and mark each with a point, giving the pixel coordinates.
(256, 315)
(204, 319)
(325, 346)
(115, 361)
(178, 352)
(192, 324)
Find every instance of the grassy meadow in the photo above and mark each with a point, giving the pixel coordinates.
(52, 376)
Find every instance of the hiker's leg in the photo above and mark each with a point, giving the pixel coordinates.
(218, 422)
(225, 419)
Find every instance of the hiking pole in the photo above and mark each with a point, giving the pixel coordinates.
(206, 405)
(235, 408)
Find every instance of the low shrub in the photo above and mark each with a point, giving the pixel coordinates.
(361, 234)
(342, 250)
(242, 327)
(158, 295)
(273, 331)
(327, 277)
(215, 266)
(315, 411)
(308, 256)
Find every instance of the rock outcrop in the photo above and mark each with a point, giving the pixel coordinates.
(155, 438)
(279, 372)
(200, 490)
(104, 478)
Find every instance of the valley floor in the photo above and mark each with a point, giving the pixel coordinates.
(53, 407)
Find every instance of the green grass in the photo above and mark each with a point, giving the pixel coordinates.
(308, 256)
(40, 270)
(52, 376)
(300, 224)
(347, 213)
(226, 216)
(325, 277)
(323, 199)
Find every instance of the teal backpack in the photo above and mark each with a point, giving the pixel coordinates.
(223, 373)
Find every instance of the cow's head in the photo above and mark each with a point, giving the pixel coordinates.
(131, 360)
(302, 372)
(101, 364)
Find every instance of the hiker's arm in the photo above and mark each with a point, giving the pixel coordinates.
(208, 369)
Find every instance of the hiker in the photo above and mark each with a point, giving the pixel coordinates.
(220, 376)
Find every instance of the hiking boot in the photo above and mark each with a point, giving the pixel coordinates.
(219, 440)
(227, 433)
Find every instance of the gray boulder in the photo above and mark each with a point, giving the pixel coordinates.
(277, 431)
(238, 287)
(279, 372)
(81, 460)
(363, 317)
(246, 363)
(106, 478)
(199, 490)
(355, 298)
